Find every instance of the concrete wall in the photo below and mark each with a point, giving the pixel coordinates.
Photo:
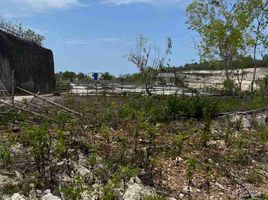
(205, 78)
(33, 65)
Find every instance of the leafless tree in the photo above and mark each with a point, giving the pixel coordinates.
(148, 60)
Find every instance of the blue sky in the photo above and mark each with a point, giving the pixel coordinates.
(95, 35)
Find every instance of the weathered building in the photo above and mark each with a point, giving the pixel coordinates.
(166, 79)
(33, 65)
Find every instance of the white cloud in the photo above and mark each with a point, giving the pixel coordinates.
(46, 4)
(154, 2)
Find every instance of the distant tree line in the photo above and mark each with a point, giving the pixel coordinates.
(69, 76)
(19, 31)
(218, 65)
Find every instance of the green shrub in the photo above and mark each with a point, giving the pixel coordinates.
(241, 157)
(177, 144)
(9, 189)
(197, 107)
(5, 154)
(75, 189)
(191, 167)
(175, 107)
(229, 87)
(253, 177)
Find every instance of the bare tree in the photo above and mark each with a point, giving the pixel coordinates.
(2, 19)
(148, 60)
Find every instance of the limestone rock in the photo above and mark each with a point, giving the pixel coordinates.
(261, 119)
(81, 170)
(187, 190)
(136, 191)
(19, 175)
(241, 119)
(5, 180)
(86, 196)
(181, 195)
(50, 196)
(17, 149)
(17, 196)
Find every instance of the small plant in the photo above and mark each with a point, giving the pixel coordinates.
(262, 135)
(241, 157)
(5, 154)
(209, 175)
(126, 173)
(60, 145)
(9, 189)
(228, 136)
(177, 143)
(92, 160)
(253, 177)
(122, 149)
(191, 167)
(108, 191)
(39, 141)
(229, 87)
(74, 191)
(106, 132)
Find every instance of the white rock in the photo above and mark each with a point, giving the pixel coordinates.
(181, 195)
(19, 175)
(81, 159)
(219, 186)
(137, 191)
(33, 195)
(50, 196)
(134, 180)
(245, 123)
(47, 191)
(187, 190)
(178, 160)
(38, 192)
(81, 170)
(6, 197)
(261, 119)
(17, 196)
(17, 149)
(5, 180)
(86, 196)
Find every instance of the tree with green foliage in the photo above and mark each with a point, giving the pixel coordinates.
(256, 14)
(220, 27)
(68, 76)
(80, 76)
(107, 76)
(263, 84)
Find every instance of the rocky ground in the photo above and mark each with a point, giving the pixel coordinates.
(226, 158)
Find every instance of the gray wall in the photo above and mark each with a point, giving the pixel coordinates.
(33, 65)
